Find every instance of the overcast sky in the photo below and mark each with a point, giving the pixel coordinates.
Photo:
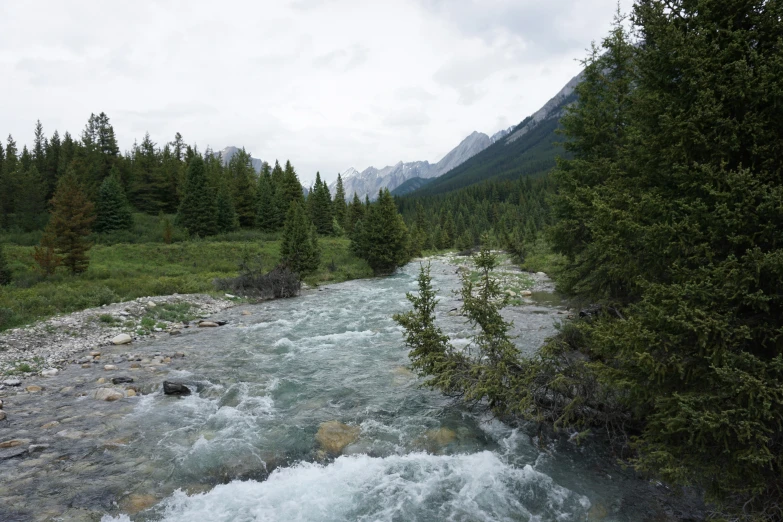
(329, 84)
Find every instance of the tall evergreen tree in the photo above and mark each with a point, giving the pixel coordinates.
(243, 187)
(51, 169)
(70, 223)
(29, 199)
(383, 238)
(291, 188)
(339, 205)
(197, 211)
(266, 213)
(320, 207)
(39, 148)
(299, 249)
(112, 211)
(227, 220)
(354, 215)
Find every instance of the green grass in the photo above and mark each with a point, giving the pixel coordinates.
(540, 258)
(121, 272)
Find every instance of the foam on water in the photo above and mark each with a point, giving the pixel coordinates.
(413, 487)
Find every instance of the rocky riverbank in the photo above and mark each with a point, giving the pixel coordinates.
(50, 345)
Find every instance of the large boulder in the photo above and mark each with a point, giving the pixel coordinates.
(122, 339)
(175, 388)
(334, 436)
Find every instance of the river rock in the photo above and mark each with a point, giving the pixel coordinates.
(231, 296)
(14, 443)
(334, 436)
(51, 372)
(151, 304)
(208, 324)
(175, 388)
(12, 382)
(95, 354)
(122, 339)
(1, 404)
(102, 380)
(49, 425)
(121, 380)
(511, 293)
(441, 436)
(526, 293)
(107, 394)
(11, 453)
(175, 332)
(2, 415)
(87, 365)
(110, 367)
(130, 392)
(245, 312)
(132, 504)
(33, 389)
(541, 274)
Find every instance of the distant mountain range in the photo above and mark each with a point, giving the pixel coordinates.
(525, 149)
(530, 149)
(229, 152)
(371, 180)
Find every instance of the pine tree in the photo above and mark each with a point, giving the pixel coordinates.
(299, 248)
(112, 210)
(70, 223)
(266, 213)
(339, 205)
(280, 206)
(383, 237)
(50, 172)
(243, 189)
(291, 188)
(319, 206)
(5, 270)
(354, 214)
(197, 211)
(39, 148)
(227, 220)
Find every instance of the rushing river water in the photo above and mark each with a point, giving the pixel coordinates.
(243, 446)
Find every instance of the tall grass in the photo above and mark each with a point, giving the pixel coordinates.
(125, 271)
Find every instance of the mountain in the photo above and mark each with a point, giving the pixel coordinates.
(529, 149)
(371, 180)
(410, 185)
(229, 152)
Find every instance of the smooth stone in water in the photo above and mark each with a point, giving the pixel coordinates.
(175, 388)
(121, 380)
(130, 392)
(1, 404)
(50, 425)
(51, 372)
(107, 394)
(11, 453)
(33, 389)
(526, 293)
(122, 339)
(334, 436)
(87, 365)
(12, 382)
(110, 367)
(95, 354)
(208, 324)
(175, 332)
(102, 380)
(13, 443)
(136, 502)
(2, 415)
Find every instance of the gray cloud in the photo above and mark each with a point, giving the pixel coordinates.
(328, 84)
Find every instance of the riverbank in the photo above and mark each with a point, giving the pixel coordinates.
(125, 272)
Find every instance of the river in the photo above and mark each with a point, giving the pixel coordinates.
(243, 446)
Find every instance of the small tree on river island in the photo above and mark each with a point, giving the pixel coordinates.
(382, 238)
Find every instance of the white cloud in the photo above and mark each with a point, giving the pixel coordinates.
(327, 83)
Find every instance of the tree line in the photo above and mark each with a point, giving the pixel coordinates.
(72, 188)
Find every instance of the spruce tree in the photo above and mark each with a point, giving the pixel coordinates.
(299, 248)
(227, 220)
(354, 214)
(319, 206)
(243, 188)
(339, 206)
(197, 211)
(112, 211)
(266, 212)
(5, 270)
(70, 223)
(383, 237)
(281, 207)
(290, 188)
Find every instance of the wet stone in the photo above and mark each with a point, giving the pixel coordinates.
(12, 382)
(33, 389)
(175, 388)
(11, 453)
(109, 367)
(121, 380)
(13, 443)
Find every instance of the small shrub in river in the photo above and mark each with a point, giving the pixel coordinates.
(253, 281)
